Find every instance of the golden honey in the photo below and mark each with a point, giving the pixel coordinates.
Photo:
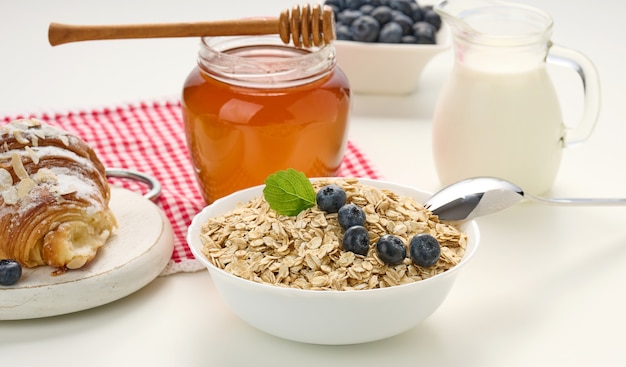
(254, 106)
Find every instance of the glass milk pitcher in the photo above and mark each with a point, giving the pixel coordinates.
(498, 113)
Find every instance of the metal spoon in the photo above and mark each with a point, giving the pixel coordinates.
(476, 197)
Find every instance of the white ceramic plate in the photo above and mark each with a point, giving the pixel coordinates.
(132, 258)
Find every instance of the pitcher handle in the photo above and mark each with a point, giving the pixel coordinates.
(563, 56)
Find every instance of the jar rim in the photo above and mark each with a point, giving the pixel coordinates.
(263, 61)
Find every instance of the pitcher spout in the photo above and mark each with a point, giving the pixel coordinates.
(495, 22)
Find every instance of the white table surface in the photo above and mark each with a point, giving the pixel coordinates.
(545, 289)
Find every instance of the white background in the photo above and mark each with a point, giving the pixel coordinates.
(546, 288)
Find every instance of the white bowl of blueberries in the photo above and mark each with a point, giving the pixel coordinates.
(321, 316)
(384, 45)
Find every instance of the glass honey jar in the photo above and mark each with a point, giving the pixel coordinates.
(253, 106)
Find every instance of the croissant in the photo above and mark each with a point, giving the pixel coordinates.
(54, 204)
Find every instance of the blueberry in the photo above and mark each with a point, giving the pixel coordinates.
(390, 249)
(342, 32)
(365, 29)
(330, 198)
(395, 13)
(10, 272)
(404, 21)
(403, 6)
(424, 250)
(339, 4)
(367, 9)
(417, 13)
(430, 16)
(390, 33)
(408, 39)
(350, 215)
(382, 14)
(348, 16)
(356, 239)
(354, 4)
(424, 32)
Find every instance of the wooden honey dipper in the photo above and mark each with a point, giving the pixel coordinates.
(304, 26)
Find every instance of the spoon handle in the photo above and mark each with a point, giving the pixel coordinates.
(307, 26)
(578, 201)
(59, 33)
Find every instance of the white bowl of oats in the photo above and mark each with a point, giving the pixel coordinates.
(290, 276)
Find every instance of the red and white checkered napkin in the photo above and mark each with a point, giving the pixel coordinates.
(149, 137)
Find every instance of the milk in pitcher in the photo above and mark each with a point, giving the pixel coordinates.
(503, 124)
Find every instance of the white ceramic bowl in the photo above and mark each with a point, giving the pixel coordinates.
(394, 69)
(328, 317)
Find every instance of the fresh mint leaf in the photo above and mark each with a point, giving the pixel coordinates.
(289, 192)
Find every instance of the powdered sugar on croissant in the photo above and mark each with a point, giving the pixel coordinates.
(54, 197)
